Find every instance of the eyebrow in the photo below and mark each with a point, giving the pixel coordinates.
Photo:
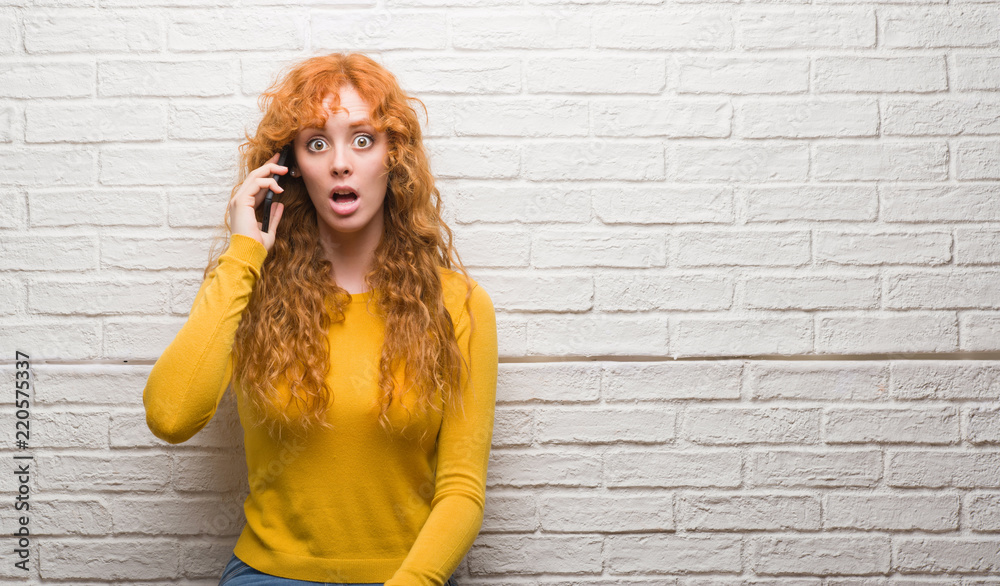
(365, 122)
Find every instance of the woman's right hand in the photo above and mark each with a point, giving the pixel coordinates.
(242, 206)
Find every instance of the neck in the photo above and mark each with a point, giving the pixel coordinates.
(351, 255)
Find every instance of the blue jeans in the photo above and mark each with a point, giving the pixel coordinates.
(237, 573)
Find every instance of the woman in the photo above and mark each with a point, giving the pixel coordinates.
(364, 365)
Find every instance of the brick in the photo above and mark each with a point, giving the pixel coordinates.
(812, 292)
(879, 74)
(980, 330)
(121, 295)
(748, 512)
(891, 512)
(907, 332)
(102, 472)
(800, 468)
(982, 425)
(92, 32)
(977, 159)
(517, 117)
(145, 339)
(90, 384)
(658, 553)
(947, 555)
(945, 380)
(650, 381)
(606, 513)
(158, 165)
(128, 77)
(939, 203)
(64, 429)
(106, 121)
(596, 160)
(68, 516)
(12, 291)
(491, 247)
(737, 163)
(742, 425)
(200, 121)
(193, 515)
(977, 246)
(729, 336)
(108, 559)
(562, 468)
(596, 74)
(937, 469)
(510, 512)
(38, 79)
(103, 207)
(552, 204)
(204, 559)
(976, 72)
(215, 472)
(51, 167)
(605, 425)
(809, 118)
(466, 160)
(824, 28)
(917, 424)
(742, 75)
(531, 554)
(378, 31)
(880, 248)
(47, 253)
(597, 335)
(940, 117)
(773, 203)
(640, 204)
(191, 208)
(552, 382)
(6, 124)
(871, 161)
(955, 289)
(530, 29)
(226, 30)
(65, 339)
(655, 290)
(838, 555)
(154, 253)
(13, 210)
(9, 35)
(466, 75)
(513, 427)
(672, 468)
(539, 291)
(671, 30)
(945, 26)
(744, 248)
(983, 511)
(601, 248)
(671, 117)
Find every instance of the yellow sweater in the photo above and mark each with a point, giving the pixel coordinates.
(355, 503)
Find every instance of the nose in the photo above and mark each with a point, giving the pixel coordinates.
(340, 162)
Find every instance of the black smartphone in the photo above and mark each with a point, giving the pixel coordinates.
(285, 159)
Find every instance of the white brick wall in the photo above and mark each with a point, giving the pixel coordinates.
(792, 198)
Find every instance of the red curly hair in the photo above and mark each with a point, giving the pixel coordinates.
(283, 334)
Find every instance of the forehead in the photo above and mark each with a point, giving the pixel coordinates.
(351, 104)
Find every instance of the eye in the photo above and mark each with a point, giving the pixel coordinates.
(314, 141)
(367, 140)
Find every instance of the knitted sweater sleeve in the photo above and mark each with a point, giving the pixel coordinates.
(187, 382)
(463, 451)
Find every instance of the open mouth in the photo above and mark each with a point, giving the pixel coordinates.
(344, 197)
